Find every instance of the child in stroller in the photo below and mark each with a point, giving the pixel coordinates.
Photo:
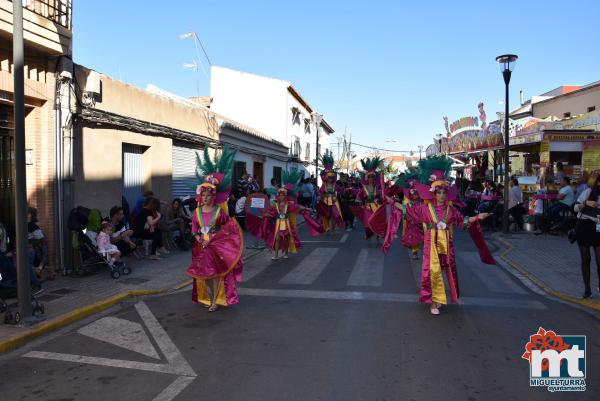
(106, 249)
(85, 242)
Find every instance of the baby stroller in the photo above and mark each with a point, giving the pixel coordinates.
(8, 290)
(83, 238)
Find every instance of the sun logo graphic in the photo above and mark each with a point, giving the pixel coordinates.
(556, 361)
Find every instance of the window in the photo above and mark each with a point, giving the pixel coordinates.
(567, 115)
(295, 116)
(307, 126)
(296, 148)
(277, 174)
(591, 108)
(307, 154)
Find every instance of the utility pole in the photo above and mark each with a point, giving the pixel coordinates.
(23, 285)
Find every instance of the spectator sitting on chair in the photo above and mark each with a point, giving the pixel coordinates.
(565, 197)
(139, 203)
(486, 206)
(176, 221)
(146, 227)
(121, 235)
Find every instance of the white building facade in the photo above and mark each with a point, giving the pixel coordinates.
(273, 107)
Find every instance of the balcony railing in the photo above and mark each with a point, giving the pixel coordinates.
(58, 11)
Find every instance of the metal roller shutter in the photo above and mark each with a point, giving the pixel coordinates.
(133, 172)
(184, 168)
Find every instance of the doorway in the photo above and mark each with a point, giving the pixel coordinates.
(259, 174)
(7, 168)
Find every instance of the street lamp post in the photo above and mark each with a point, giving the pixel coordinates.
(507, 64)
(420, 150)
(317, 118)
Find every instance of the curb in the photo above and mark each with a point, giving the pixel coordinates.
(85, 311)
(540, 283)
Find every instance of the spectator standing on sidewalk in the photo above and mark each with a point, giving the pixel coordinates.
(587, 231)
(38, 242)
(515, 202)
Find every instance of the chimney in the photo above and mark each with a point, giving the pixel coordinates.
(521, 96)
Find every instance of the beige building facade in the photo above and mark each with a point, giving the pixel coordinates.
(126, 141)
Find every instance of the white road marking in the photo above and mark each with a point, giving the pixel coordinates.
(368, 269)
(177, 365)
(122, 333)
(311, 266)
(174, 388)
(384, 297)
(115, 363)
(163, 340)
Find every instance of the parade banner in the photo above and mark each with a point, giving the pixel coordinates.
(257, 204)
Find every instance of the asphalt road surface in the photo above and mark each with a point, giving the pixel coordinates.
(338, 321)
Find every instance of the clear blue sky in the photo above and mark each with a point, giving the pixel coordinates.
(386, 69)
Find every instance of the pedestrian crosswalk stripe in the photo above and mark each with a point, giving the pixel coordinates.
(385, 297)
(311, 266)
(368, 269)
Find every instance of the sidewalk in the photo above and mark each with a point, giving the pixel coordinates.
(68, 299)
(551, 263)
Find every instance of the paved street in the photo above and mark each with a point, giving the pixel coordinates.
(336, 322)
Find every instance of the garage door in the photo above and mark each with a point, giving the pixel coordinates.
(184, 169)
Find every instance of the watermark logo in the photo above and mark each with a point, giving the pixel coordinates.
(556, 362)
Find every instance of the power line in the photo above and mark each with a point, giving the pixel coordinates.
(381, 149)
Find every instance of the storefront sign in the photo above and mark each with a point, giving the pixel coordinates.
(525, 139)
(544, 154)
(571, 136)
(589, 121)
(591, 156)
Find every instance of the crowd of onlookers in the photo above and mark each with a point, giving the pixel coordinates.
(37, 254)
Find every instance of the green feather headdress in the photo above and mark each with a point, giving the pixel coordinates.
(290, 180)
(371, 164)
(434, 168)
(220, 168)
(412, 173)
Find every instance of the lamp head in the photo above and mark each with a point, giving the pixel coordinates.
(507, 62)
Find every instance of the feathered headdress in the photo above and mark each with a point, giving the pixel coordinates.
(289, 182)
(408, 178)
(328, 162)
(435, 173)
(215, 174)
(370, 167)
